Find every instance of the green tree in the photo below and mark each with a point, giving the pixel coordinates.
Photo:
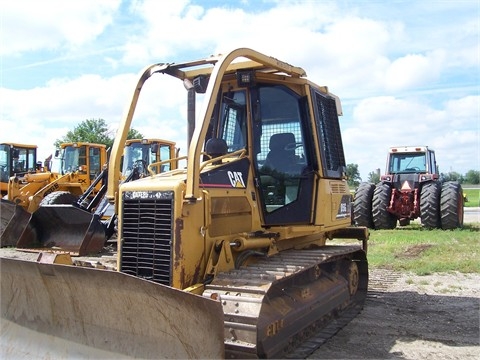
(374, 177)
(472, 177)
(452, 176)
(353, 175)
(94, 131)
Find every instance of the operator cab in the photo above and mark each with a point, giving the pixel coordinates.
(271, 122)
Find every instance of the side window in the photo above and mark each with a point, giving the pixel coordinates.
(94, 156)
(20, 163)
(328, 128)
(233, 127)
(433, 164)
(165, 155)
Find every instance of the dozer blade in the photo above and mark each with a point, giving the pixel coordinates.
(60, 311)
(63, 228)
(14, 220)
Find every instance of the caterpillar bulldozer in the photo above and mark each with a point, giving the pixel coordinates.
(228, 257)
(411, 188)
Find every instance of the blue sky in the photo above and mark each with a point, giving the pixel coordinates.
(407, 72)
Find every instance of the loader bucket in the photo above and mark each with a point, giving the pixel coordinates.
(63, 228)
(60, 312)
(14, 220)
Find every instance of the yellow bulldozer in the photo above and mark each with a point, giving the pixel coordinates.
(228, 257)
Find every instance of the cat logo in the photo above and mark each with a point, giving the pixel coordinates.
(236, 179)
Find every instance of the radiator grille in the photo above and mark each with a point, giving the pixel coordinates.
(147, 235)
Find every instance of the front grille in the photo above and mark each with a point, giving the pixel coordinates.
(147, 234)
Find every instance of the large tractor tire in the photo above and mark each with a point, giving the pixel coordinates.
(430, 205)
(362, 205)
(382, 219)
(451, 205)
(59, 198)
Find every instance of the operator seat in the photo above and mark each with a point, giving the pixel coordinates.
(279, 158)
(216, 147)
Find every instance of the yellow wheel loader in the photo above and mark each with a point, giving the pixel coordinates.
(67, 210)
(80, 163)
(16, 159)
(226, 258)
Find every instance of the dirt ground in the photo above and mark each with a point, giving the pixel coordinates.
(412, 317)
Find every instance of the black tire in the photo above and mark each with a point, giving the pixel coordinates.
(382, 219)
(430, 205)
(59, 198)
(451, 205)
(362, 205)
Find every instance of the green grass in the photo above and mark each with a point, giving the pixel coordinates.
(423, 252)
(473, 196)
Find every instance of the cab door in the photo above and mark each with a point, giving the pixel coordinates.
(283, 159)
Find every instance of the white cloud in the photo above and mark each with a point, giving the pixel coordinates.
(413, 70)
(49, 24)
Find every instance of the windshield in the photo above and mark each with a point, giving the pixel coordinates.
(73, 158)
(407, 163)
(137, 154)
(4, 163)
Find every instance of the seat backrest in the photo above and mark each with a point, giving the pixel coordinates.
(216, 147)
(279, 158)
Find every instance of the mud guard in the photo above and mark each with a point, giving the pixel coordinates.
(63, 228)
(61, 311)
(14, 220)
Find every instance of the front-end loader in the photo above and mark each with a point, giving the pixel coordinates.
(16, 160)
(80, 163)
(228, 257)
(65, 211)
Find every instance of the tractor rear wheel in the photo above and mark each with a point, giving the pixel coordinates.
(59, 198)
(382, 218)
(362, 205)
(430, 205)
(451, 205)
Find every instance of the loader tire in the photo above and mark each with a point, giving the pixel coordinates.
(362, 205)
(430, 205)
(59, 198)
(382, 219)
(451, 205)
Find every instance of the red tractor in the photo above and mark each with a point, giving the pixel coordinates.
(410, 189)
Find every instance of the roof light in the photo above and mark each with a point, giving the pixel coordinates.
(245, 78)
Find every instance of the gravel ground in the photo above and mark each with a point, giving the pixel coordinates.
(412, 317)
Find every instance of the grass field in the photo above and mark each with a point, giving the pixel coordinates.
(423, 252)
(473, 196)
